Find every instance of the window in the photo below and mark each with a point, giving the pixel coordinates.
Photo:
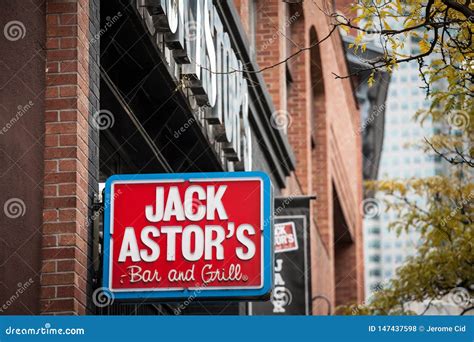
(375, 272)
(374, 258)
(374, 230)
(374, 244)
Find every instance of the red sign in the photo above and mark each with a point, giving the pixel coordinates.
(285, 237)
(174, 233)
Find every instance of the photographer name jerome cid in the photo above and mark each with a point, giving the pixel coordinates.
(456, 328)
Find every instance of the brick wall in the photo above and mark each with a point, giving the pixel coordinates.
(66, 193)
(325, 109)
(22, 67)
(269, 50)
(299, 130)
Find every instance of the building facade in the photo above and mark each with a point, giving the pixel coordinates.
(95, 88)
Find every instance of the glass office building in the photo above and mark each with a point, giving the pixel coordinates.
(385, 251)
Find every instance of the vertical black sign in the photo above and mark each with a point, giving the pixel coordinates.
(291, 294)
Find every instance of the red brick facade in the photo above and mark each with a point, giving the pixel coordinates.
(323, 121)
(65, 206)
(322, 116)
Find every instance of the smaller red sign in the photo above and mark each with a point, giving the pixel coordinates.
(285, 237)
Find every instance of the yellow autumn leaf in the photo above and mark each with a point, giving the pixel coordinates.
(424, 46)
(345, 28)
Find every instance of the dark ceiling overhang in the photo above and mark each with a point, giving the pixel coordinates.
(137, 87)
(152, 66)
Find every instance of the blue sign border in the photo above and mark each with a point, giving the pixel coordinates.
(241, 294)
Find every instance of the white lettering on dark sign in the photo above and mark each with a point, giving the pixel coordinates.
(192, 38)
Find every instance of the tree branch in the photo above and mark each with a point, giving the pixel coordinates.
(452, 160)
(466, 310)
(464, 9)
